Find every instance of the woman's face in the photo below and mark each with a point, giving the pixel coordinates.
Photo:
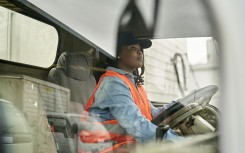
(130, 57)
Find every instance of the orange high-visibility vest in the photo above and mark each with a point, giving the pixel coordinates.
(139, 96)
(119, 136)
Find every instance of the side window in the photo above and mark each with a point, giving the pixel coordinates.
(25, 40)
(202, 51)
(167, 77)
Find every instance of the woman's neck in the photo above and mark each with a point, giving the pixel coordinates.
(127, 69)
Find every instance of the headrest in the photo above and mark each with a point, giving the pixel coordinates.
(75, 65)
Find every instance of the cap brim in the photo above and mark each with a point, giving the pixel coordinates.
(145, 43)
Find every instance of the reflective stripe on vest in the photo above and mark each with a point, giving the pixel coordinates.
(118, 135)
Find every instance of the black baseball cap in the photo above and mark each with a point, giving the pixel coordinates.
(128, 38)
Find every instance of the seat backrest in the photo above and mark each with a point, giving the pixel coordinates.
(73, 72)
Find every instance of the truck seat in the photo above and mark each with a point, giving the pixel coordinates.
(73, 71)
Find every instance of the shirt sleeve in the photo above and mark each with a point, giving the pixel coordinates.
(157, 110)
(122, 107)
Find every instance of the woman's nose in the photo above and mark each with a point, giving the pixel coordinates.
(140, 52)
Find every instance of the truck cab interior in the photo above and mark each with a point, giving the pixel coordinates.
(49, 65)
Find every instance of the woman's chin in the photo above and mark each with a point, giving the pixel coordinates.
(139, 65)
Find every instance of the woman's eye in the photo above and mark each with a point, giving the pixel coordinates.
(133, 48)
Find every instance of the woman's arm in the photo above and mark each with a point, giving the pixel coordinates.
(157, 110)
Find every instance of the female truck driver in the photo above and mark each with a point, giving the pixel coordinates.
(120, 99)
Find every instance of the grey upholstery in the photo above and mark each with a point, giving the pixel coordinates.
(73, 72)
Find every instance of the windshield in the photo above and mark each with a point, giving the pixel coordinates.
(107, 70)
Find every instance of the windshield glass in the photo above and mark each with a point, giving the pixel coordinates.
(124, 74)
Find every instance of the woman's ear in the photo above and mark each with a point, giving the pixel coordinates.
(119, 54)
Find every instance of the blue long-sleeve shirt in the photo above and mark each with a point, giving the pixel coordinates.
(113, 100)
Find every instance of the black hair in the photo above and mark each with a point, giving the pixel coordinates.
(139, 79)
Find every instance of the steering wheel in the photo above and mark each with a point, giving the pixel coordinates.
(193, 103)
(211, 114)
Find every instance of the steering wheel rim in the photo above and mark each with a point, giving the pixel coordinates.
(212, 115)
(194, 103)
